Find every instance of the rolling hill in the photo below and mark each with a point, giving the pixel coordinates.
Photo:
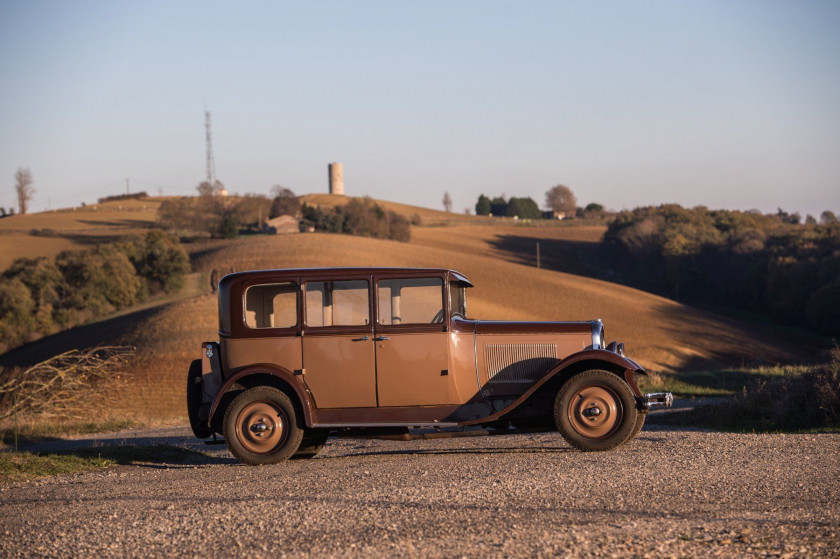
(48, 233)
(499, 258)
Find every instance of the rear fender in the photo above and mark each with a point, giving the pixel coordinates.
(273, 376)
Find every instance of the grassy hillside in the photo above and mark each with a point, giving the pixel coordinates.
(661, 334)
(48, 233)
(499, 257)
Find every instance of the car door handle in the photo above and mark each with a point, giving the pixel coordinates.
(381, 338)
(362, 339)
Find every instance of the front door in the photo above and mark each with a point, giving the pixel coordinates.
(412, 346)
(338, 350)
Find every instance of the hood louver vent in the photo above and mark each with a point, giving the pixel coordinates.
(518, 363)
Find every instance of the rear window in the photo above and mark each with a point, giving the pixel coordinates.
(271, 305)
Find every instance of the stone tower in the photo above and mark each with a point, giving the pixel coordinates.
(336, 179)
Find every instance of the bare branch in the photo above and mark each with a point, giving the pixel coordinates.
(63, 385)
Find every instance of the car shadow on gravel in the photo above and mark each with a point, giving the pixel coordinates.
(163, 452)
(455, 451)
(159, 456)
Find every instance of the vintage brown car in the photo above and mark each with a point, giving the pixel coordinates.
(305, 354)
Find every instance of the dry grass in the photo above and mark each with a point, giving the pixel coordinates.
(48, 233)
(20, 466)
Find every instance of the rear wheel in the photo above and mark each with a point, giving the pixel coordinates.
(260, 426)
(595, 411)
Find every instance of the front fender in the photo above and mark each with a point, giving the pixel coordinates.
(628, 367)
(595, 357)
(274, 371)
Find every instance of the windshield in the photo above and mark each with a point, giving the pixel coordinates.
(458, 299)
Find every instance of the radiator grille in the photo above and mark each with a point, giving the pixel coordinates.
(518, 362)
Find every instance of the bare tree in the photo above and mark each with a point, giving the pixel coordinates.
(285, 202)
(278, 190)
(447, 202)
(206, 189)
(23, 189)
(560, 199)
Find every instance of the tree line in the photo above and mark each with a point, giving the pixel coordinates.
(227, 217)
(770, 264)
(559, 199)
(358, 217)
(42, 296)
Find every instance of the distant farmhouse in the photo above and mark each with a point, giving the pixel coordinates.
(282, 224)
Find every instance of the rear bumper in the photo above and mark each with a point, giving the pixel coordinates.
(653, 400)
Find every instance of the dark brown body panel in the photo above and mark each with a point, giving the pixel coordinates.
(453, 372)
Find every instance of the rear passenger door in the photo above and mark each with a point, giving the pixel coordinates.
(338, 352)
(412, 345)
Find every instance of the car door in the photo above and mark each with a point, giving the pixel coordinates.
(338, 350)
(412, 345)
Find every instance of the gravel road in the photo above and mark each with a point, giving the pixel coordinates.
(670, 492)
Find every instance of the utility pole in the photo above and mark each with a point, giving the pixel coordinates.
(538, 254)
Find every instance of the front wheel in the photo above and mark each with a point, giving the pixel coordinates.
(595, 411)
(260, 426)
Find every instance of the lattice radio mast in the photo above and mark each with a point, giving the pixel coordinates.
(211, 164)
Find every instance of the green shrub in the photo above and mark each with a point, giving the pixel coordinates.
(793, 401)
(161, 260)
(16, 314)
(761, 263)
(44, 295)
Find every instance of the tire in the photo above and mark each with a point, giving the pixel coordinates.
(261, 426)
(311, 444)
(640, 422)
(614, 417)
(199, 428)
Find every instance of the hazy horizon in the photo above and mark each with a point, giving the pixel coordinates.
(722, 104)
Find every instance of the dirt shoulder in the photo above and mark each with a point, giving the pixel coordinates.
(670, 492)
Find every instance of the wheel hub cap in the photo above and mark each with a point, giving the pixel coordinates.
(595, 411)
(262, 427)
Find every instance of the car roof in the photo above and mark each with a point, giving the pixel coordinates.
(317, 273)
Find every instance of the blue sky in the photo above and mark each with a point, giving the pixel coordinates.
(725, 104)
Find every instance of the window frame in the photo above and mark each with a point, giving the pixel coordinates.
(341, 328)
(271, 331)
(413, 327)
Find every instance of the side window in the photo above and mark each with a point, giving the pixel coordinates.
(410, 301)
(458, 299)
(271, 306)
(337, 303)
